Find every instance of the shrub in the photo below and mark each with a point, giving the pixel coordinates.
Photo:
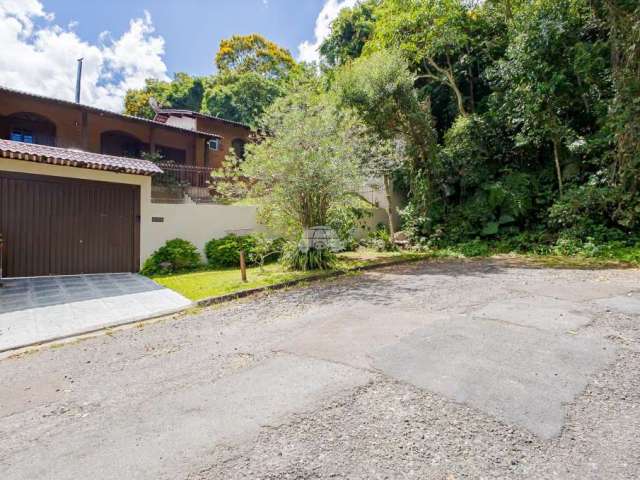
(380, 239)
(225, 252)
(474, 248)
(296, 258)
(345, 220)
(266, 250)
(174, 256)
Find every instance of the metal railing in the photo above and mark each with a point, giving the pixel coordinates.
(180, 181)
(185, 174)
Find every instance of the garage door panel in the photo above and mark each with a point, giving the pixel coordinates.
(59, 226)
(25, 226)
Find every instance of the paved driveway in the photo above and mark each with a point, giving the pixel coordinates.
(38, 309)
(437, 370)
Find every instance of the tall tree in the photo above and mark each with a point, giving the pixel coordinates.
(307, 164)
(433, 35)
(380, 89)
(184, 92)
(349, 33)
(253, 54)
(544, 76)
(240, 97)
(623, 18)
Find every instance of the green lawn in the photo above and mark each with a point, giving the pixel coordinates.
(212, 283)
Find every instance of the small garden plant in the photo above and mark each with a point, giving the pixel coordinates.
(176, 255)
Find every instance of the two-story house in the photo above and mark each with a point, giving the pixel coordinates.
(75, 183)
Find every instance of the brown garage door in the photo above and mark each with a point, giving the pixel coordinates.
(60, 226)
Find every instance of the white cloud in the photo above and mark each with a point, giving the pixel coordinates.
(310, 52)
(40, 56)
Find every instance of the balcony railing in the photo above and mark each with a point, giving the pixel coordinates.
(181, 184)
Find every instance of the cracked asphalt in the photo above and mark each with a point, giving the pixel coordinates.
(437, 370)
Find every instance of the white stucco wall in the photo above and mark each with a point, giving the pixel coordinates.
(197, 223)
(182, 122)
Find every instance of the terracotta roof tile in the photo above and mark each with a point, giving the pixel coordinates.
(75, 158)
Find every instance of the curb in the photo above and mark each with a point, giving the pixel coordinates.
(93, 329)
(207, 302)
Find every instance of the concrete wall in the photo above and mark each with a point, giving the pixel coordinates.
(197, 223)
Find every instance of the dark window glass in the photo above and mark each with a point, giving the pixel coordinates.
(22, 136)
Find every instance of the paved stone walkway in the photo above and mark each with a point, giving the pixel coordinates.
(38, 309)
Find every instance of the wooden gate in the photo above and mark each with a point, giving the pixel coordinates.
(61, 226)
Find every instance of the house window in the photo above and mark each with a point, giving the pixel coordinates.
(25, 136)
(214, 144)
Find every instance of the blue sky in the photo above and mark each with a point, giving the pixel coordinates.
(124, 42)
(192, 29)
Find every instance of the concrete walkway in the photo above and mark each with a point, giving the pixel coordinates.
(35, 310)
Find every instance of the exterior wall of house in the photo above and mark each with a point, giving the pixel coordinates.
(373, 191)
(182, 122)
(229, 132)
(82, 128)
(198, 223)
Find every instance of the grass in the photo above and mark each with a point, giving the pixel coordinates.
(213, 283)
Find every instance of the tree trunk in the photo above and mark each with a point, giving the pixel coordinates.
(387, 191)
(556, 156)
(458, 93)
(508, 11)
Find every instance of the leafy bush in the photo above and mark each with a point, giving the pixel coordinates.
(344, 220)
(266, 250)
(225, 252)
(174, 256)
(296, 258)
(585, 212)
(380, 239)
(474, 248)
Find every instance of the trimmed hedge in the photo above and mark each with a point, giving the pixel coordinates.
(174, 256)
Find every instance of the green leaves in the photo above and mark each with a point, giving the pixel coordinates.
(254, 54)
(241, 97)
(308, 163)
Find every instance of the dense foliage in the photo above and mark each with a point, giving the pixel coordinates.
(308, 163)
(174, 256)
(252, 73)
(259, 249)
(225, 251)
(511, 123)
(535, 108)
